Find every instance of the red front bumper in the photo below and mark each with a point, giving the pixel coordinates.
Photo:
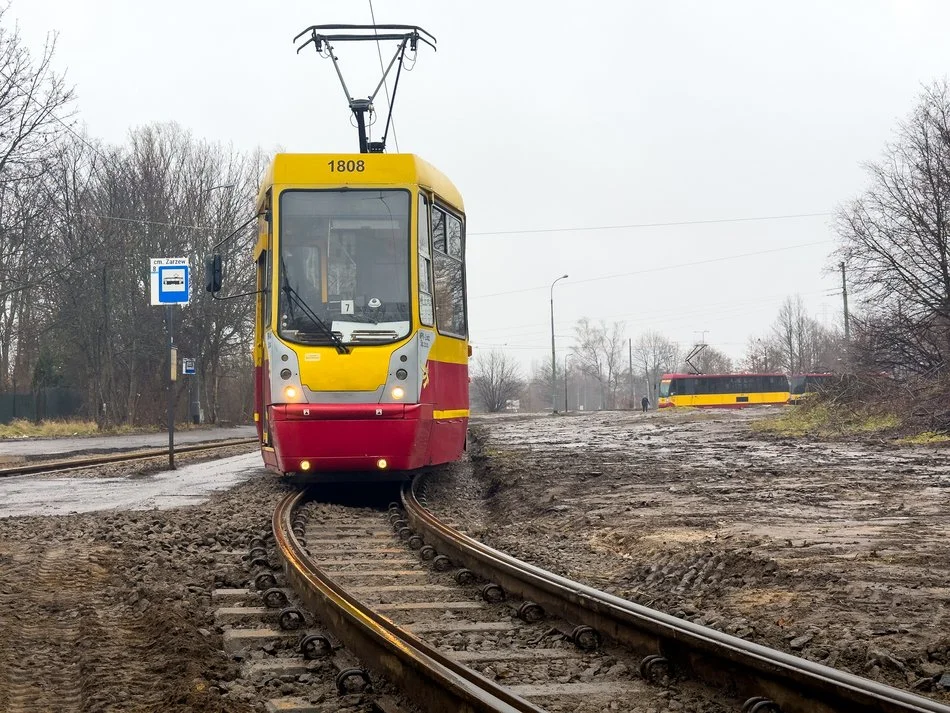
(350, 437)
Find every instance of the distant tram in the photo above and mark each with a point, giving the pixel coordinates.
(722, 390)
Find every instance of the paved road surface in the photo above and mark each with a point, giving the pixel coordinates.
(66, 446)
(190, 484)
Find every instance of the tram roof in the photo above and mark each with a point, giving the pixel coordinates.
(382, 169)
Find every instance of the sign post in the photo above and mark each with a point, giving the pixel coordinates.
(170, 278)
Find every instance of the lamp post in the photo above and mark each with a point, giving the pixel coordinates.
(553, 353)
(566, 373)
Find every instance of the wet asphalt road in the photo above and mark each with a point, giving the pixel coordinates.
(190, 484)
(66, 446)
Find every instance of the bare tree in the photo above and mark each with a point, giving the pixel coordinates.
(653, 356)
(496, 380)
(763, 355)
(34, 105)
(33, 100)
(119, 207)
(710, 361)
(598, 351)
(801, 344)
(895, 240)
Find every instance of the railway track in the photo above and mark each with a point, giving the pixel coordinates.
(67, 464)
(457, 625)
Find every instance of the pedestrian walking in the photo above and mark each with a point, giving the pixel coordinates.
(645, 404)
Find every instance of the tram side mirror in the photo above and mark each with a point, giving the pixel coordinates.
(213, 273)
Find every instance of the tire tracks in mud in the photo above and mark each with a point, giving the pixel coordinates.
(66, 645)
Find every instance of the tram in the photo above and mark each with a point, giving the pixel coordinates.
(360, 340)
(361, 331)
(722, 390)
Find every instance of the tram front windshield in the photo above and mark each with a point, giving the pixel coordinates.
(344, 266)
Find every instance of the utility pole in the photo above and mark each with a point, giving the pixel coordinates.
(553, 352)
(630, 358)
(844, 295)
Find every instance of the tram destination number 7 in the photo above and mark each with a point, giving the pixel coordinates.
(341, 166)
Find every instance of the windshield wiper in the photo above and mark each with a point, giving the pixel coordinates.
(309, 313)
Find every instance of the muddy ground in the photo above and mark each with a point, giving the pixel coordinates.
(836, 552)
(111, 611)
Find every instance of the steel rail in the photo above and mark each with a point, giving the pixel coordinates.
(86, 462)
(434, 681)
(723, 661)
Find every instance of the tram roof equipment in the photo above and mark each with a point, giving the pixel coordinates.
(406, 37)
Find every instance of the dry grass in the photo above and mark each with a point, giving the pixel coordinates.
(22, 428)
(906, 412)
(925, 438)
(819, 418)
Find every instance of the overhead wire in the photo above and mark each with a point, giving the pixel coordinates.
(654, 314)
(708, 221)
(678, 318)
(656, 269)
(379, 52)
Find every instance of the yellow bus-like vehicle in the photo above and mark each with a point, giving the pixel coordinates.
(722, 390)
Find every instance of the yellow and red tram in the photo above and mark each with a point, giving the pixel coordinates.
(361, 335)
(722, 390)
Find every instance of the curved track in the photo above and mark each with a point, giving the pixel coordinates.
(664, 648)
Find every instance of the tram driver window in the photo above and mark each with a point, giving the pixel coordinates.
(344, 265)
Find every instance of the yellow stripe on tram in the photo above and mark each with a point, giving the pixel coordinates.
(456, 413)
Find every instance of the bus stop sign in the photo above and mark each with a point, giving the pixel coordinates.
(170, 281)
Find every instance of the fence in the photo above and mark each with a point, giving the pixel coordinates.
(44, 404)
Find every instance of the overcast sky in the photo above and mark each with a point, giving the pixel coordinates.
(556, 115)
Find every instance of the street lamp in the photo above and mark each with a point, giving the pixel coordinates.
(553, 354)
(566, 373)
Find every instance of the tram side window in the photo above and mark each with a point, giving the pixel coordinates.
(425, 266)
(683, 387)
(449, 273)
(264, 276)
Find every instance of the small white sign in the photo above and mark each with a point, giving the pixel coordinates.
(170, 280)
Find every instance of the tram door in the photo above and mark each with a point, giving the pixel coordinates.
(262, 385)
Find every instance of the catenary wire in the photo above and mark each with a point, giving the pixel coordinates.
(379, 52)
(656, 314)
(709, 221)
(656, 269)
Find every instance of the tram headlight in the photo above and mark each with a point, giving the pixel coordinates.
(401, 374)
(290, 392)
(398, 392)
(304, 465)
(381, 464)
(285, 374)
